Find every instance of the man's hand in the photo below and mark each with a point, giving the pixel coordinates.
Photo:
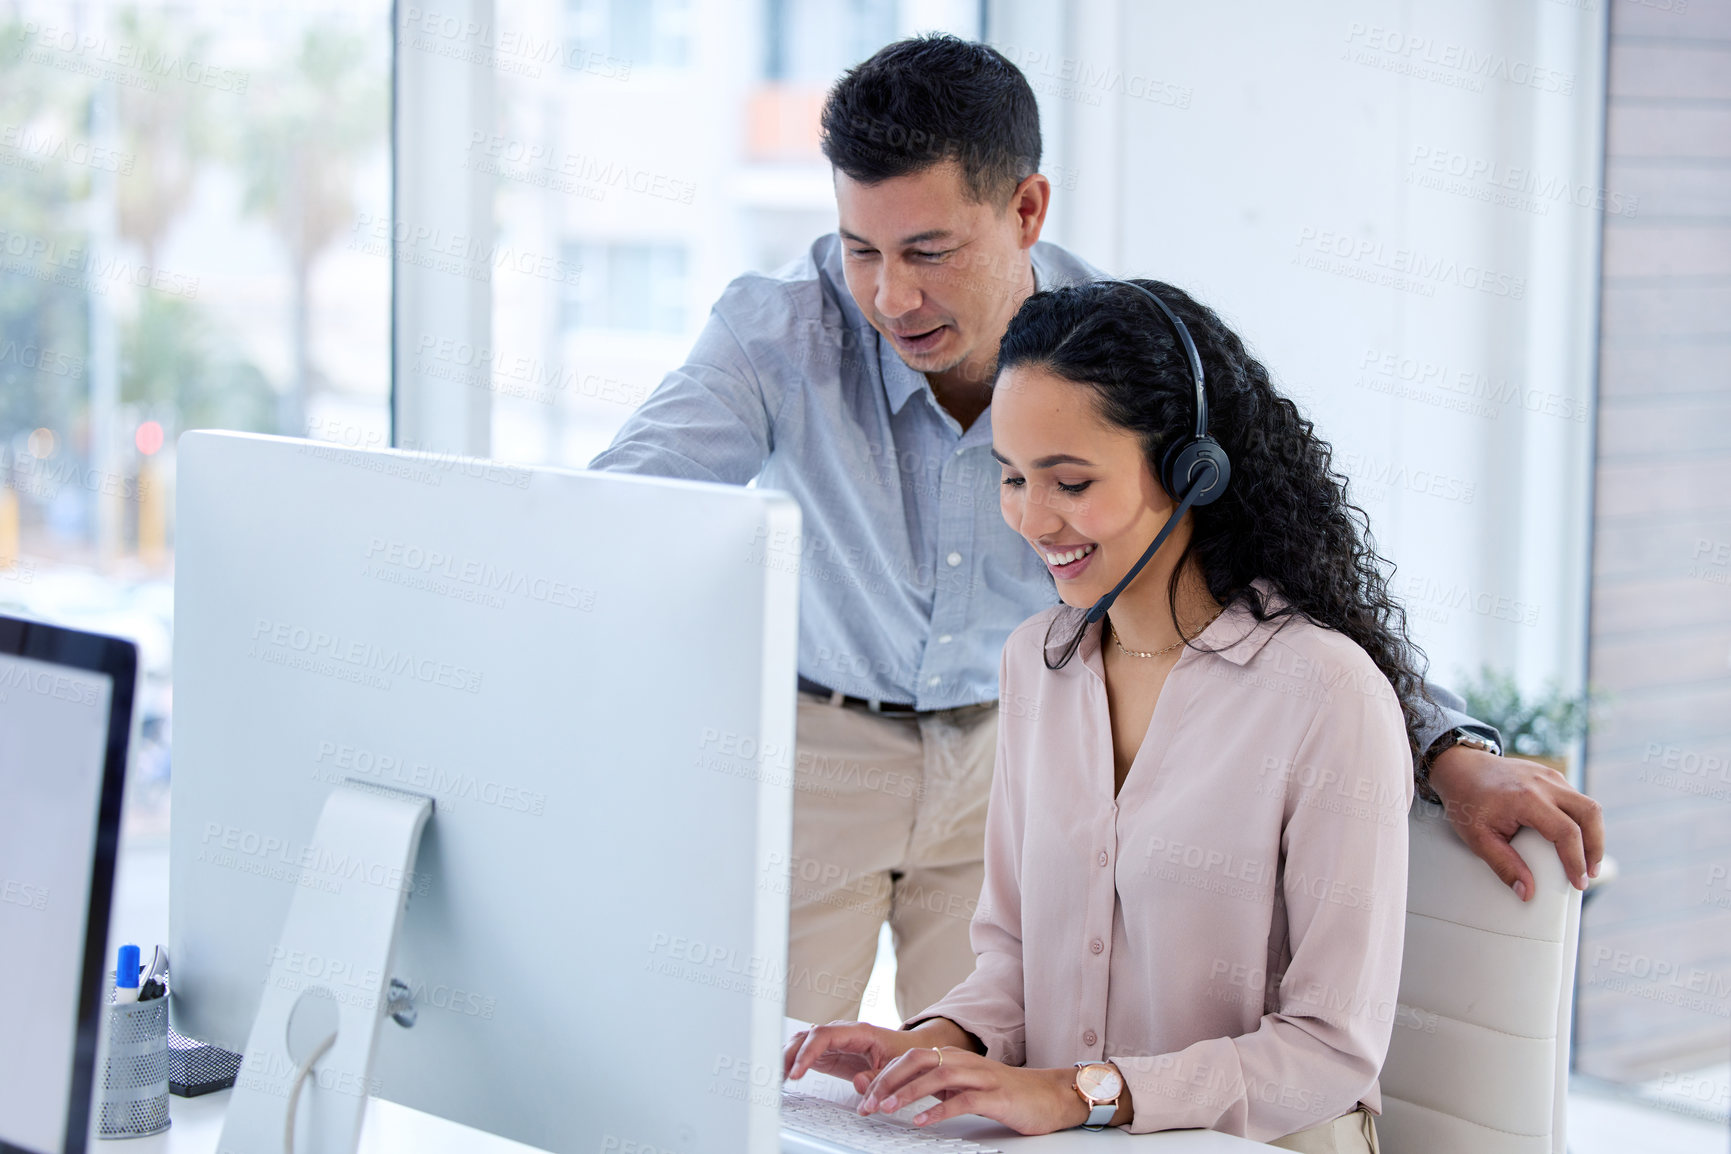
(1489, 798)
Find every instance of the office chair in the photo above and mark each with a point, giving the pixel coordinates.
(1479, 1062)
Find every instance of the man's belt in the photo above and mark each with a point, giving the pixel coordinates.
(892, 708)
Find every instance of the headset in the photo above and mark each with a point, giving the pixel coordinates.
(1194, 469)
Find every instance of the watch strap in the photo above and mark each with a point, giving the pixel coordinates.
(1099, 1117)
(1460, 735)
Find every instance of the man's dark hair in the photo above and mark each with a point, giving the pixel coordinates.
(919, 102)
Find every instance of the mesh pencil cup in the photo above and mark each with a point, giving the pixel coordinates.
(133, 1092)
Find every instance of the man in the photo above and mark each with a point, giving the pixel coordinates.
(860, 381)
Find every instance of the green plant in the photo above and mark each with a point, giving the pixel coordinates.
(1541, 726)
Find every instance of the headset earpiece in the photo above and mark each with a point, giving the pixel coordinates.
(1194, 469)
(1198, 461)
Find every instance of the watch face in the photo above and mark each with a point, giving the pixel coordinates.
(1100, 1083)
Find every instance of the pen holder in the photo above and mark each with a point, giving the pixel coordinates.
(133, 1093)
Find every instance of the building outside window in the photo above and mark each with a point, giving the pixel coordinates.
(649, 33)
(625, 287)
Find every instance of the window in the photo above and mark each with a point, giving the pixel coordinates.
(654, 168)
(181, 190)
(814, 41)
(640, 33)
(625, 287)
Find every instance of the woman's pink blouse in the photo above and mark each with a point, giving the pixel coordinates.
(1227, 930)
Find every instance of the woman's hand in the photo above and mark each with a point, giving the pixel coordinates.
(851, 1050)
(1027, 1101)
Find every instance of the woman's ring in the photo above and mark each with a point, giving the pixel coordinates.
(940, 1053)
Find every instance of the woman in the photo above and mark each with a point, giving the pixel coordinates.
(1196, 844)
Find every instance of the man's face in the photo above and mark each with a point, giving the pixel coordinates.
(939, 275)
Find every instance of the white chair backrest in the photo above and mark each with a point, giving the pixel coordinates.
(1479, 1062)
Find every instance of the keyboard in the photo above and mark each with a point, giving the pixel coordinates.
(835, 1126)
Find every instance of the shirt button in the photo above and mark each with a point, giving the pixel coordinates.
(1096, 945)
(945, 639)
(1090, 1038)
(954, 559)
(1103, 858)
(933, 680)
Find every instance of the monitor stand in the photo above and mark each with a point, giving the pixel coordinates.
(311, 1048)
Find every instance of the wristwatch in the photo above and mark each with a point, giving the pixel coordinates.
(1470, 738)
(1100, 1086)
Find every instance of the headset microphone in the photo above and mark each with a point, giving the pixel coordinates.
(1194, 468)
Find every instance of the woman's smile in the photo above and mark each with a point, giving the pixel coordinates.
(1068, 562)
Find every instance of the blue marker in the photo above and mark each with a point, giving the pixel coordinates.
(126, 975)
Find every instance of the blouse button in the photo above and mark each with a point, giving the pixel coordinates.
(1096, 945)
(1102, 857)
(1090, 1038)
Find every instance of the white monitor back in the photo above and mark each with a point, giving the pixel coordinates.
(592, 677)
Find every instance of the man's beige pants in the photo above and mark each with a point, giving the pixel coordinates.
(889, 821)
(1353, 1133)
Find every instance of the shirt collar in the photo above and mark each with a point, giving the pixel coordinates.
(1036, 260)
(1235, 635)
(900, 382)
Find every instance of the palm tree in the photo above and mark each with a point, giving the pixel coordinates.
(316, 121)
(166, 133)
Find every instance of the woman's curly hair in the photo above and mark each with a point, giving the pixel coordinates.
(1284, 516)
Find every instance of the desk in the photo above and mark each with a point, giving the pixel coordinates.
(393, 1129)
(388, 1128)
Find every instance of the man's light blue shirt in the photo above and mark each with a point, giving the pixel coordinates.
(910, 580)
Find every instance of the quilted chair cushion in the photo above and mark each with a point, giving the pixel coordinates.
(1479, 1061)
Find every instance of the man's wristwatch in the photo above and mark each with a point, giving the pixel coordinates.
(1470, 738)
(1100, 1086)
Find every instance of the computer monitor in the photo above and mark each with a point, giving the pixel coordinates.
(65, 717)
(593, 679)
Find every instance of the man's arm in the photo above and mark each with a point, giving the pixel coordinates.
(712, 418)
(1449, 713)
(1489, 798)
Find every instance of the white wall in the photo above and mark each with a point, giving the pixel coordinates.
(1228, 147)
